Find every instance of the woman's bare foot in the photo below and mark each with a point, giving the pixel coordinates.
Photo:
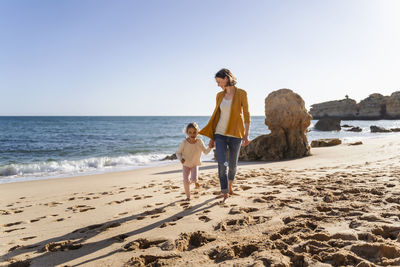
(225, 197)
(233, 193)
(187, 199)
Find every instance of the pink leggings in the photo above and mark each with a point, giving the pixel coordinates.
(193, 174)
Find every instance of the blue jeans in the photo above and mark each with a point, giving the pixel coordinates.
(222, 143)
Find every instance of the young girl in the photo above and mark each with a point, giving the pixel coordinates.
(189, 153)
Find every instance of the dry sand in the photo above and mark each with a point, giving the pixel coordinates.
(340, 206)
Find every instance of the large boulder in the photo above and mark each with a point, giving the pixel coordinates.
(328, 124)
(288, 120)
(343, 109)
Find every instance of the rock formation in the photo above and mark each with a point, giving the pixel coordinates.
(328, 124)
(377, 129)
(326, 142)
(374, 107)
(354, 129)
(288, 120)
(393, 106)
(343, 109)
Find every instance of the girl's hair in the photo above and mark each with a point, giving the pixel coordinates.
(191, 125)
(226, 73)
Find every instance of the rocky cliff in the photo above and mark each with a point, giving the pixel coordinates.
(393, 106)
(346, 108)
(374, 107)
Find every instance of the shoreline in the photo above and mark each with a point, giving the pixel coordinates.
(160, 163)
(98, 219)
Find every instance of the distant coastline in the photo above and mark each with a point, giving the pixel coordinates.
(374, 107)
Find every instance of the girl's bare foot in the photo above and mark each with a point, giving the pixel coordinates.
(187, 199)
(196, 185)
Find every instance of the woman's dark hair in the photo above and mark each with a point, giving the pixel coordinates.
(226, 73)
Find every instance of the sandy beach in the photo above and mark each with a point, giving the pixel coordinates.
(340, 207)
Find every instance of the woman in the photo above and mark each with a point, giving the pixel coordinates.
(226, 128)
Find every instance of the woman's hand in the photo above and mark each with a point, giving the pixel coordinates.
(245, 140)
(211, 144)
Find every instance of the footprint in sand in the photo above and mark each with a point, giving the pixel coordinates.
(185, 205)
(80, 208)
(15, 229)
(27, 238)
(190, 241)
(234, 251)
(142, 243)
(240, 210)
(53, 204)
(11, 224)
(61, 246)
(155, 211)
(119, 201)
(236, 224)
(204, 218)
(4, 212)
(167, 224)
(245, 187)
(17, 211)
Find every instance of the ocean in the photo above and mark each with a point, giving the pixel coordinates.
(34, 148)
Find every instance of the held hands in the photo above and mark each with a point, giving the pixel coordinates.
(182, 161)
(245, 140)
(211, 144)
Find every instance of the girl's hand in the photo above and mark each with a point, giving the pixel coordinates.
(211, 144)
(182, 161)
(245, 141)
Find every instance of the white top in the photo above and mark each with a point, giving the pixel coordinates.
(225, 108)
(191, 153)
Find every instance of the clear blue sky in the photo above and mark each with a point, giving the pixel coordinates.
(146, 57)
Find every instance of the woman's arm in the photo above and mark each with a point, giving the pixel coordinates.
(246, 114)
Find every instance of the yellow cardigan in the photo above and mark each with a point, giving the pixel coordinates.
(239, 107)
